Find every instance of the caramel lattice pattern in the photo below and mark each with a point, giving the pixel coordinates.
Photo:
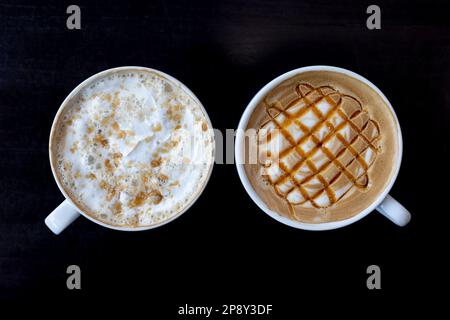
(318, 147)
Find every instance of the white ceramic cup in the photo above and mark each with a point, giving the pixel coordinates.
(68, 211)
(384, 203)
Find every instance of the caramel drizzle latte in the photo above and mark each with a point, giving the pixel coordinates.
(327, 146)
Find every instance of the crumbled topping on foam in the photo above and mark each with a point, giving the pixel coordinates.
(134, 149)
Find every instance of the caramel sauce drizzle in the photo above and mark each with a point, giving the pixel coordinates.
(276, 109)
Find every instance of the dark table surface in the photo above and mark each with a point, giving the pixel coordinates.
(224, 249)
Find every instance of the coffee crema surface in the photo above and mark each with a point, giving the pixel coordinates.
(133, 148)
(326, 146)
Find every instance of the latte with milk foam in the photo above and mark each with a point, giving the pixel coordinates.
(326, 145)
(133, 148)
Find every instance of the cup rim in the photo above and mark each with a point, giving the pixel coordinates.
(239, 148)
(75, 91)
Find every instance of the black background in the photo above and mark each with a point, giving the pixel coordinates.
(224, 249)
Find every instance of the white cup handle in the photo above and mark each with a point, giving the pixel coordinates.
(61, 217)
(394, 211)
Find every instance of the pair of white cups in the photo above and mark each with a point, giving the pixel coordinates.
(67, 212)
